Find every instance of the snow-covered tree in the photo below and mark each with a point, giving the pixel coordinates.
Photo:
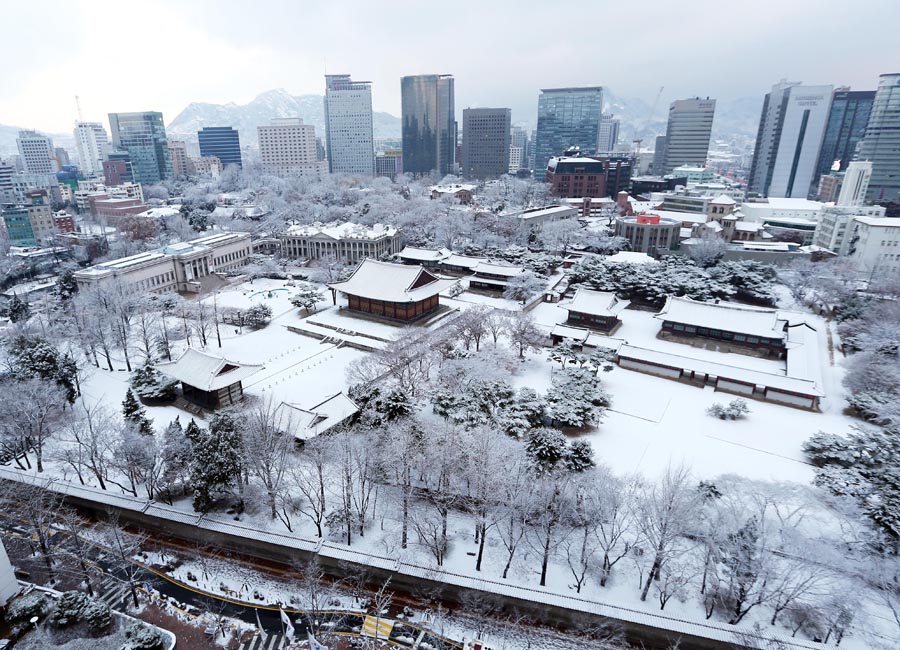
(150, 384)
(258, 315)
(18, 310)
(524, 287)
(307, 298)
(135, 414)
(576, 398)
(217, 460)
(523, 333)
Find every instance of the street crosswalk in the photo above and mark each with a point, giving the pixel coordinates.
(113, 593)
(271, 642)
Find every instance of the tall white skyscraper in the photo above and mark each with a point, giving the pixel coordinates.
(789, 138)
(607, 134)
(856, 183)
(687, 133)
(36, 150)
(92, 144)
(288, 146)
(349, 143)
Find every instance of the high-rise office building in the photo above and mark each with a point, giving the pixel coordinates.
(789, 140)
(567, 117)
(36, 152)
(846, 127)
(349, 143)
(181, 163)
(92, 145)
(429, 124)
(223, 142)
(288, 146)
(485, 142)
(881, 144)
(687, 133)
(389, 163)
(659, 155)
(608, 133)
(143, 136)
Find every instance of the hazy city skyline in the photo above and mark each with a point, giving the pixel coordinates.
(136, 57)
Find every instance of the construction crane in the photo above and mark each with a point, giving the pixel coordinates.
(637, 141)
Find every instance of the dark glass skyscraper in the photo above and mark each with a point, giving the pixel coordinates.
(485, 142)
(429, 124)
(881, 145)
(567, 117)
(143, 136)
(846, 127)
(223, 142)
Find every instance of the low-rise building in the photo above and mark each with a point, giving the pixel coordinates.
(177, 267)
(392, 291)
(462, 192)
(345, 241)
(594, 310)
(490, 276)
(427, 257)
(208, 381)
(649, 233)
(874, 245)
(534, 219)
(694, 174)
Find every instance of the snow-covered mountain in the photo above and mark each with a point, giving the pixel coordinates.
(273, 103)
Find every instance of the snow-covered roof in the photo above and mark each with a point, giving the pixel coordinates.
(392, 282)
(728, 317)
(452, 189)
(724, 199)
(308, 421)
(424, 254)
(748, 226)
(630, 257)
(539, 214)
(338, 231)
(683, 217)
(803, 359)
(598, 303)
(463, 260)
(491, 268)
(886, 222)
(578, 334)
(782, 203)
(722, 371)
(207, 372)
(158, 213)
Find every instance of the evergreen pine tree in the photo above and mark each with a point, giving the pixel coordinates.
(18, 309)
(216, 461)
(134, 413)
(66, 285)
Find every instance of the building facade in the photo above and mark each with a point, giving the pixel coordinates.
(608, 133)
(37, 153)
(835, 229)
(789, 140)
(429, 124)
(875, 244)
(92, 145)
(223, 142)
(846, 128)
(485, 142)
(177, 267)
(567, 117)
(687, 133)
(348, 126)
(288, 146)
(855, 185)
(648, 233)
(881, 144)
(389, 163)
(181, 163)
(577, 177)
(345, 241)
(143, 136)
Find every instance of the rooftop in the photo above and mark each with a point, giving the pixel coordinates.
(728, 317)
(598, 303)
(392, 282)
(884, 222)
(424, 254)
(346, 230)
(308, 421)
(207, 372)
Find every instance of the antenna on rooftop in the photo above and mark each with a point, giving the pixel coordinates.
(78, 106)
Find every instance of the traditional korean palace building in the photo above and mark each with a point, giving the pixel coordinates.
(758, 328)
(427, 257)
(595, 310)
(493, 277)
(394, 291)
(308, 421)
(208, 381)
(345, 241)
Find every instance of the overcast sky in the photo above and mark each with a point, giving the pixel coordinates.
(128, 55)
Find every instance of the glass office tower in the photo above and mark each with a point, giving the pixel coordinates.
(223, 142)
(845, 129)
(143, 136)
(429, 124)
(567, 117)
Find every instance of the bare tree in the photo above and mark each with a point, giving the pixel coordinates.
(30, 415)
(665, 512)
(523, 333)
(311, 477)
(268, 441)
